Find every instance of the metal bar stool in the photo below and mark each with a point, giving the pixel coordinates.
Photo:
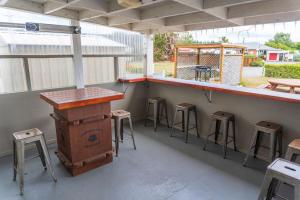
(293, 150)
(218, 118)
(159, 104)
(280, 171)
(20, 139)
(185, 109)
(275, 133)
(118, 117)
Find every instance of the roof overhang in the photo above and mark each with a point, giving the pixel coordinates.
(166, 15)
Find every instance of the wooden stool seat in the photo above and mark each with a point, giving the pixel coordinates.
(23, 135)
(293, 150)
(295, 144)
(184, 106)
(120, 113)
(225, 118)
(220, 115)
(275, 134)
(268, 127)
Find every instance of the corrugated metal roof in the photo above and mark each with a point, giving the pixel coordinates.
(22, 38)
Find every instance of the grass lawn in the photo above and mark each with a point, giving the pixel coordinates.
(166, 66)
(254, 82)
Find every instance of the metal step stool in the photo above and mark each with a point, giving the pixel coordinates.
(185, 109)
(19, 141)
(119, 116)
(280, 171)
(159, 104)
(218, 118)
(275, 133)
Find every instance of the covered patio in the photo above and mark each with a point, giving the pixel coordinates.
(161, 167)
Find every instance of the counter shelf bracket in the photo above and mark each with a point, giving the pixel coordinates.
(208, 95)
(124, 88)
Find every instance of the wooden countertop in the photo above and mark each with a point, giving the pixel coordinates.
(237, 90)
(66, 99)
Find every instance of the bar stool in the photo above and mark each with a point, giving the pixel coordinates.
(218, 118)
(20, 139)
(158, 104)
(293, 150)
(118, 117)
(185, 109)
(280, 171)
(275, 133)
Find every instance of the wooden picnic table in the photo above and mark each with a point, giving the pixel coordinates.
(291, 83)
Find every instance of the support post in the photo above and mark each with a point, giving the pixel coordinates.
(149, 64)
(116, 68)
(77, 57)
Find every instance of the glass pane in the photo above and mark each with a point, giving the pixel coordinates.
(12, 76)
(48, 73)
(98, 70)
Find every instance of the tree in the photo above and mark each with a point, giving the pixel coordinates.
(164, 44)
(224, 39)
(283, 41)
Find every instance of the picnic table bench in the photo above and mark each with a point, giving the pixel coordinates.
(291, 83)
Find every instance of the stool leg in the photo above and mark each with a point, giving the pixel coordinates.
(15, 164)
(217, 130)
(47, 158)
(41, 154)
(233, 132)
(273, 142)
(155, 117)
(253, 139)
(182, 120)
(131, 130)
(117, 131)
(173, 124)
(280, 144)
(158, 113)
(196, 120)
(166, 113)
(272, 189)
(265, 186)
(297, 192)
(20, 155)
(147, 114)
(186, 124)
(209, 132)
(225, 138)
(121, 130)
(257, 144)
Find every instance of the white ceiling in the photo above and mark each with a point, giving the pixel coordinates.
(166, 15)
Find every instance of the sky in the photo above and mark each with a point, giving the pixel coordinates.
(254, 33)
(241, 34)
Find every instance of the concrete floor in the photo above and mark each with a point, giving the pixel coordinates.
(160, 168)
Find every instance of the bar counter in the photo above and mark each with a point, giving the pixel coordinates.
(236, 90)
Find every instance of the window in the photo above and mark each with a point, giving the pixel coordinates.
(48, 73)
(12, 76)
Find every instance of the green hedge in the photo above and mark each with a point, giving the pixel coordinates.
(283, 70)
